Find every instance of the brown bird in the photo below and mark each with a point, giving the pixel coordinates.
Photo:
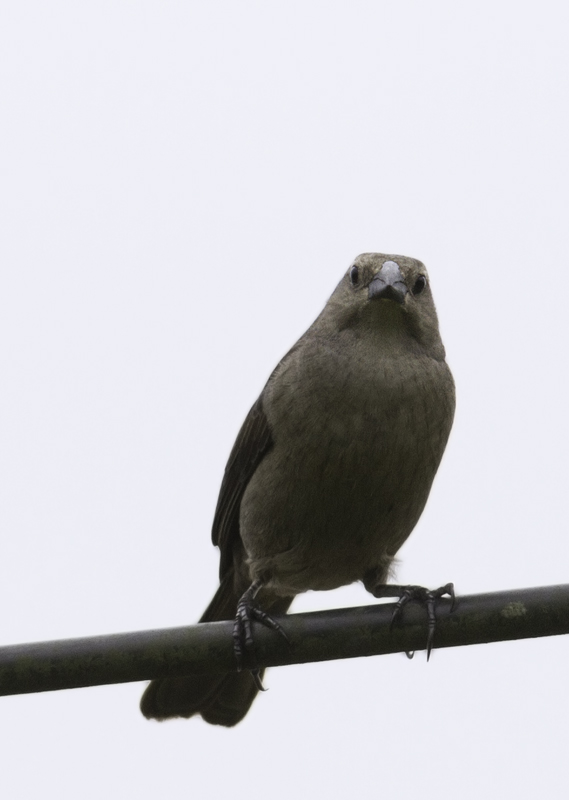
(330, 471)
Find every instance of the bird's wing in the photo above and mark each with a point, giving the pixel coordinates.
(253, 443)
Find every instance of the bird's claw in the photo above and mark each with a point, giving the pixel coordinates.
(418, 594)
(256, 675)
(248, 611)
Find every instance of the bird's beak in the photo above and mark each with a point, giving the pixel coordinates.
(388, 284)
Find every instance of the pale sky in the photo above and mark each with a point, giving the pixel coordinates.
(182, 185)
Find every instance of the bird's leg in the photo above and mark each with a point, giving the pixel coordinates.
(419, 594)
(243, 643)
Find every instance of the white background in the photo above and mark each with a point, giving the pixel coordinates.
(182, 184)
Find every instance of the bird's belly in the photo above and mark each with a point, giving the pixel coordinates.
(330, 512)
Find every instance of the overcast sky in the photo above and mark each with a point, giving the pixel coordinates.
(182, 185)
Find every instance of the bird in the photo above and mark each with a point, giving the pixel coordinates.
(330, 471)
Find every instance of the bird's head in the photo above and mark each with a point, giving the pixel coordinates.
(388, 294)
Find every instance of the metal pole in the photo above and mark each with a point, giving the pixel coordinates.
(319, 636)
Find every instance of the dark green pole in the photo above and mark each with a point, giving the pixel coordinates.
(319, 636)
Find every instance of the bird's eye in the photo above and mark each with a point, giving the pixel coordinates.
(354, 275)
(420, 284)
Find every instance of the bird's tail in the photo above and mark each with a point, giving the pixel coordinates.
(220, 699)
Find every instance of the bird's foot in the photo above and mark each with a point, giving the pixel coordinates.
(418, 594)
(248, 611)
